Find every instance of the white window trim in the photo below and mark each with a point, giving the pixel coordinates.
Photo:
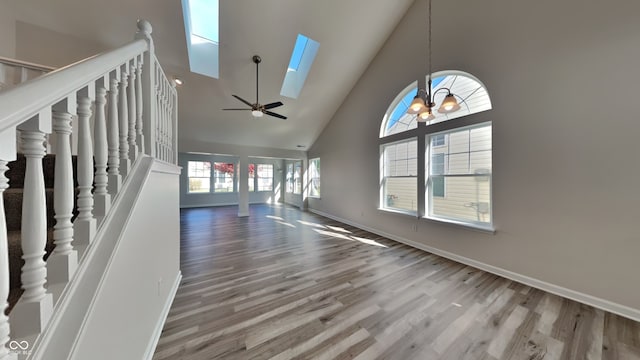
(476, 119)
(429, 196)
(197, 177)
(257, 178)
(382, 199)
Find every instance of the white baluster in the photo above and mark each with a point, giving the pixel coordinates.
(4, 270)
(102, 199)
(165, 102)
(123, 114)
(64, 260)
(34, 308)
(85, 224)
(174, 127)
(158, 113)
(169, 117)
(139, 106)
(161, 116)
(113, 162)
(131, 135)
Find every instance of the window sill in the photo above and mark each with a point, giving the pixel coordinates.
(477, 227)
(398, 211)
(489, 229)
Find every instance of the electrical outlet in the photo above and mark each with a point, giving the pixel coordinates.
(414, 227)
(159, 286)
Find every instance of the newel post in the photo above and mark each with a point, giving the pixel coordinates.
(148, 82)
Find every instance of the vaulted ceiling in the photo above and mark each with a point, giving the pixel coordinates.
(350, 33)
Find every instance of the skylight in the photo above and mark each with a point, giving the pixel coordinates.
(201, 24)
(304, 52)
(298, 50)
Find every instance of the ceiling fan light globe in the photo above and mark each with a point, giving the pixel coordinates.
(257, 113)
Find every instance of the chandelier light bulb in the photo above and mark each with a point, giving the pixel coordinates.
(449, 105)
(417, 105)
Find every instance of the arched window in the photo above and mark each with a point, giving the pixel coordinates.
(469, 91)
(455, 183)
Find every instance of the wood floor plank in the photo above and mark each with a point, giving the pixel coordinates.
(284, 284)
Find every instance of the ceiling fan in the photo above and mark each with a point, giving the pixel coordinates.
(257, 109)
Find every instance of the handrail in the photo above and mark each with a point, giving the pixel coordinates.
(27, 99)
(25, 64)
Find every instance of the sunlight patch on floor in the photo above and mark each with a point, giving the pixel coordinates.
(349, 237)
(311, 224)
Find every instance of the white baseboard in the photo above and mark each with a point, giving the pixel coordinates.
(157, 331)
(219, 204)
(622, 310)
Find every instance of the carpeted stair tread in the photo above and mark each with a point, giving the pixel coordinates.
(13, 208)
(13, 198)
(15, 174)
(15, 255)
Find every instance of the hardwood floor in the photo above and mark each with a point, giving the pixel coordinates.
(283, 284)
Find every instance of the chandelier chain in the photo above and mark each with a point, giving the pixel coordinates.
(429, 45)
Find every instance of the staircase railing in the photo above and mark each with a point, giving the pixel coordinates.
(124, 96)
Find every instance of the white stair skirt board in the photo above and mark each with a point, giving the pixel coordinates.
(77, 299)
(165, 313)
(596, 302)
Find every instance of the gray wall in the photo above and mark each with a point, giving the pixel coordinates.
(7, 30)
(47, 47)
(565, 125)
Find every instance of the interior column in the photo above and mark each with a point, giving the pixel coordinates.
(243, 186)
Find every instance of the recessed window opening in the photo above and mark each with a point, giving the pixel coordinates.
(457, 157)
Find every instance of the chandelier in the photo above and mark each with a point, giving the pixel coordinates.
(423, 104)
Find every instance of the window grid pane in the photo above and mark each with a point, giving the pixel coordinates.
(314, 177)
(252, 181)
(199, 173)
(459, 175)
(297, 177)
(289, 179)
(223, 177)
(400, 180)
(265, 177)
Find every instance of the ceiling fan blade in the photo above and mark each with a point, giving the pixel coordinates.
(237, 109)
(273, 105)
(275, 115)
(243, 100)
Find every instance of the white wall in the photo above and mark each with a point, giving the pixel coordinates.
(141, 279)
(563, 83)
